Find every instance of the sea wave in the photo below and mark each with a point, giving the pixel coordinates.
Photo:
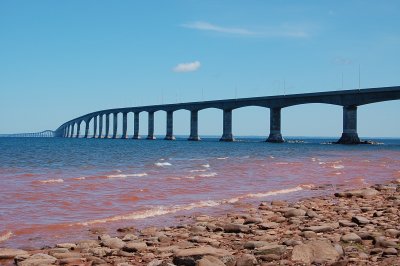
(206, 165)
(127, 175)
(197, 170)
(338, 166)
(6, 236)
(209, 175)
(162, 164)
(59, 180)
(163, 210)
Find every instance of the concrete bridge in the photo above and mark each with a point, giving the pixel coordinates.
(348, 99)
(43, 134)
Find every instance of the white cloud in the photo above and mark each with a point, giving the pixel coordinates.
(284, 30)
(187, 67)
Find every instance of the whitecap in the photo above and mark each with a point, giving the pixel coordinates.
(162, 164)
(80, 178)
(127, 175)
(189, 177)
(338, 166)
(6, 236)
(206, 165)
(222, 158)
(208, 175)
(59, 180)
(197, 170)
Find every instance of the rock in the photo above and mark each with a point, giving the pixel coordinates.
(57, 250)
(191, 255)
(294, 212)
(312, 214)
(270, 257)
(155, 262)
(346, 223)
(381, 241)
(309, 234)
(369, 193)
(375, 251)
(100, 251)
(339, 249)
(209, 261)
(126, 229)
(246, 260)
(292, 242)
(390, 252)
(315, 251)
(39, 259)
(365, 193)
(85, 244)
(197, 229)
(253, 220)
(236, 228)
(66, 245)
(270, 248)
(392, 233)
(10, 253)
(255, 244)
(113, 243)
(129, 237)
(319, 228)
(270, 225)
(279, 203)
(360, 220)
(67, 255)
(351, 237)
(72, 261)
(134, 246)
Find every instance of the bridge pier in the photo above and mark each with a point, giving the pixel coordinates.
(100, 126)
(150, 134)
(170, 126)
(124, 125)
(72, 130)
(94, 127)
(136, 126)
(194, 122)
(87, 122)
(107, 132)
(349, 135)
(227, 126)
(275, 135)
(78, 129)
(115, 125)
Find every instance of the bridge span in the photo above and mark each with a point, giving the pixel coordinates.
(348, 99)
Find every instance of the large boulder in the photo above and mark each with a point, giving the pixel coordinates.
(315, 251)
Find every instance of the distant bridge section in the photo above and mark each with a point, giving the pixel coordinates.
(348, 99)
(43, 134)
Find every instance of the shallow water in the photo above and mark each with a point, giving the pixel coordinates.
(53, 190)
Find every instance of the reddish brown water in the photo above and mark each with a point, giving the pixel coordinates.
(55, 190)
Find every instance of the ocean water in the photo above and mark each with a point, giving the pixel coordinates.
(55, 190)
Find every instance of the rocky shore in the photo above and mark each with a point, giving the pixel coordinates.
(358, 227)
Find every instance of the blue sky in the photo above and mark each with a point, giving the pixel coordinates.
(62, 59)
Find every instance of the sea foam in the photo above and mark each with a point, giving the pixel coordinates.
(163, 210)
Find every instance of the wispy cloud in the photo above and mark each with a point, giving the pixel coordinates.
(200, 25)
(284, 30)
(187, 67)
(342, 61)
